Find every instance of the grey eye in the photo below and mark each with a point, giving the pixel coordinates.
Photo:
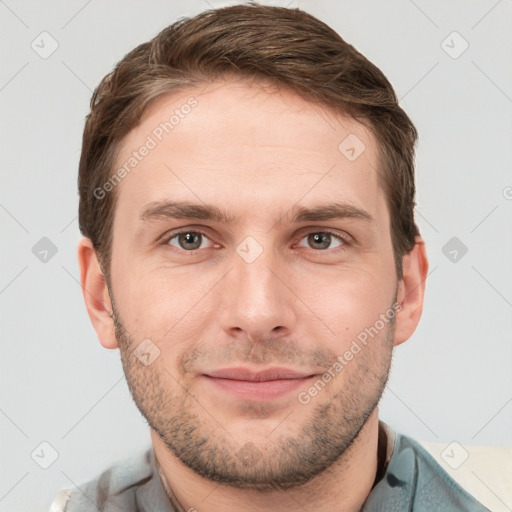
(322, 240)
(188, 240)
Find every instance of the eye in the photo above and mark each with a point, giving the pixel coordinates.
(323, 240)
(187, 240)
(190, 241)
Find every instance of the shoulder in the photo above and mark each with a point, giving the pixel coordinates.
(114, 489)
(414, 480)
(434, 486)
(483, 471)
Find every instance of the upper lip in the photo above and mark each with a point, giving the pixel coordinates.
(246, 374)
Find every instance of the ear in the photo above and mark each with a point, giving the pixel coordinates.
(411, 290)
(95, 292)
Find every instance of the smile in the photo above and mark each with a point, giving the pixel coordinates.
(264, 385)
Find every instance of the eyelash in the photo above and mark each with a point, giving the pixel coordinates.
(345, 241)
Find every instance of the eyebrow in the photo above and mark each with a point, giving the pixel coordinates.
(191, 211)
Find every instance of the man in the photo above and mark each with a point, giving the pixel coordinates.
(246, 199)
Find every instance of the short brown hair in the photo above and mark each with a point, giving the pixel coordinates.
(287, 47)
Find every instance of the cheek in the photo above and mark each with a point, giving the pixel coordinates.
(163, 304)
(349, 303)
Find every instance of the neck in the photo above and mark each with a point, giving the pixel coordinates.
(343, 486)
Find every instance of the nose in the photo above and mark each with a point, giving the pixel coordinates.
(258, 300)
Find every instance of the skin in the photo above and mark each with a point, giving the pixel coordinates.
(256, 153)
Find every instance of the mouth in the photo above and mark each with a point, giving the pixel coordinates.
(265, 385)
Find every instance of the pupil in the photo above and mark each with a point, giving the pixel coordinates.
(317, 238)
(190, 238)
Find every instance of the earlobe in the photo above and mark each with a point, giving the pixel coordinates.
(95, 293)
(411, 291)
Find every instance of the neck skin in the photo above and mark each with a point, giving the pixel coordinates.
(344, 486)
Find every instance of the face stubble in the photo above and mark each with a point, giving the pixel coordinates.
(199, 441)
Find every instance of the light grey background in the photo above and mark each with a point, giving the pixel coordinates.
(451, 381)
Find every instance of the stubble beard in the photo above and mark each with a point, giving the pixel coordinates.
(279, 461)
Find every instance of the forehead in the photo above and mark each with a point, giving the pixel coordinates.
(248, 148)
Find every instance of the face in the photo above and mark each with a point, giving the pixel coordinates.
(253, 281)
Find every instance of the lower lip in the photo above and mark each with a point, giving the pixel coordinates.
(258, 391)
